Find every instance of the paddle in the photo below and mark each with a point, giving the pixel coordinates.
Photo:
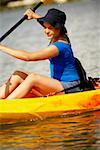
(23, 18)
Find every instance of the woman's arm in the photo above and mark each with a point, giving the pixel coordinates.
(20, 54)
(49, 52)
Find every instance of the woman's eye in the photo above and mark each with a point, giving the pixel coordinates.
(49, 28)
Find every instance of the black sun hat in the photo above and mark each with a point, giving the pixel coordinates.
(56, 18)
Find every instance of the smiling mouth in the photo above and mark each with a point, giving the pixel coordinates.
(49, 35)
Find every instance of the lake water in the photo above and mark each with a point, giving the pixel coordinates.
(71, 132)
(81, 132)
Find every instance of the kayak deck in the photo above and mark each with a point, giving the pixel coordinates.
(44, 107)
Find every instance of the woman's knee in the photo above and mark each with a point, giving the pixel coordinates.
(34, 78)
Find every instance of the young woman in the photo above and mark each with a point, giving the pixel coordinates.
(59, 52)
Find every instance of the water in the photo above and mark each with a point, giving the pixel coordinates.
(81, 132)
(71, 132)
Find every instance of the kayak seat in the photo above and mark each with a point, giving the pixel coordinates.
(85, 82)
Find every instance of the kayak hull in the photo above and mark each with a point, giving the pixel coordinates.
(45, 107)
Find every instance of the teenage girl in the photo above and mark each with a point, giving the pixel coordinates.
(63, 70)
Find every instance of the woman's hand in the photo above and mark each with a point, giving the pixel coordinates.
(31, 15)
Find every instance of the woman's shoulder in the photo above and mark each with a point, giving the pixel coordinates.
(62, 46)
(62, 43)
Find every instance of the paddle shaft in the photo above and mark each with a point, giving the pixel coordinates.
(19, 22)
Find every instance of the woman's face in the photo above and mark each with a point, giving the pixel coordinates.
(51, 32)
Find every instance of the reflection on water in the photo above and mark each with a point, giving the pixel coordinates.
(81, 132)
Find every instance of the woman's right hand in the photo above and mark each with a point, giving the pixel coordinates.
(31, 15)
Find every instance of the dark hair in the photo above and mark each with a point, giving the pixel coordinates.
(65, 35)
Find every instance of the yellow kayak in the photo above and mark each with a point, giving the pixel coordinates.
(44, 107)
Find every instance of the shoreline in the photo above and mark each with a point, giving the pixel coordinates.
(28, 3)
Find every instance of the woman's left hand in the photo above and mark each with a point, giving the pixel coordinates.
(31, 15)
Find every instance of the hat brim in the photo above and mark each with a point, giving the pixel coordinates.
(56, 25)
(43, 20)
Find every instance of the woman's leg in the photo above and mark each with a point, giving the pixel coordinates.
(16, 78)
(39, 85)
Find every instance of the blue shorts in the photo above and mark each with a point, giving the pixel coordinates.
(67, 85)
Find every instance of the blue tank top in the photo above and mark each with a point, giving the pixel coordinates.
(62, 67)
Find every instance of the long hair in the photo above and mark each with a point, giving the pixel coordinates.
(65, 35)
